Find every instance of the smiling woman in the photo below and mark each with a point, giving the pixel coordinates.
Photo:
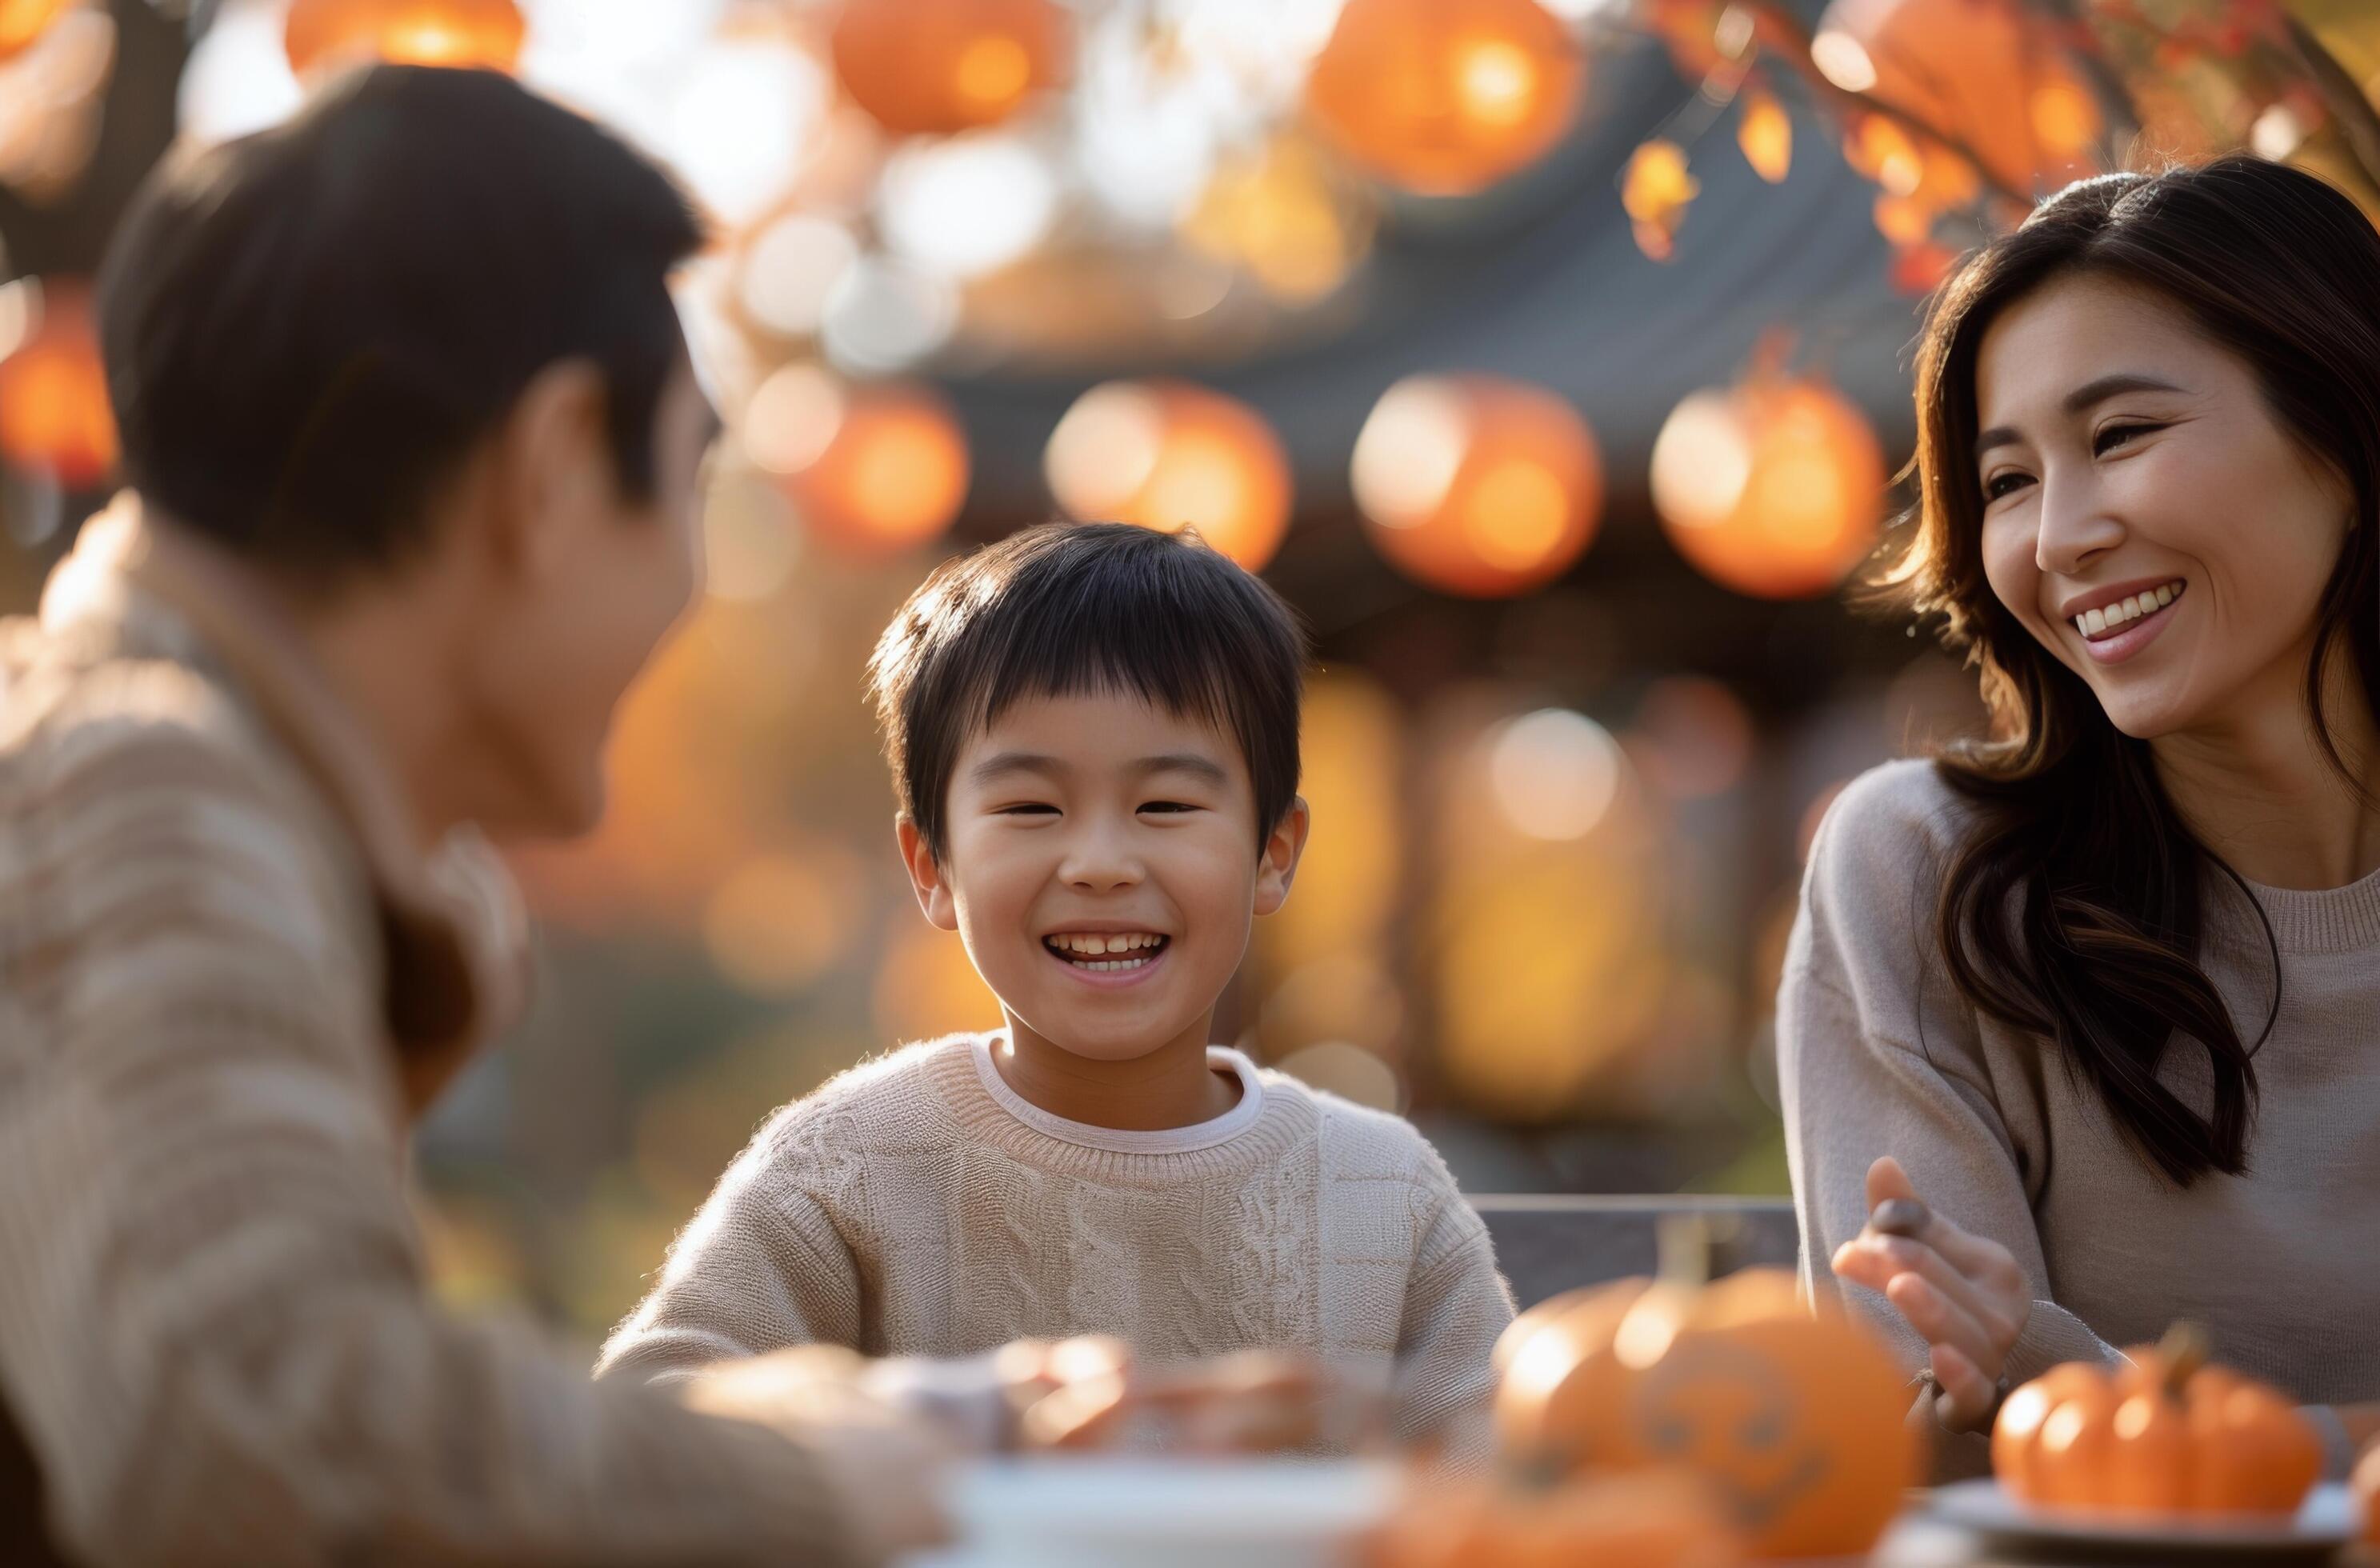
(2100, 990)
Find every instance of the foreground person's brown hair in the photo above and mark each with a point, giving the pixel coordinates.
(2071, 910)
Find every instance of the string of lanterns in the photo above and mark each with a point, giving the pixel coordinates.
(1473, 485)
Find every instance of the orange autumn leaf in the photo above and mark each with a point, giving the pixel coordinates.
(1766, 134)
(1657, 192)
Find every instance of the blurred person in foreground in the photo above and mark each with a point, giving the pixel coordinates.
(416, 443)
(1093, 731)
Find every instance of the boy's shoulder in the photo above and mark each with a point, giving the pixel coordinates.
(890, 1101)
(1362, 1142)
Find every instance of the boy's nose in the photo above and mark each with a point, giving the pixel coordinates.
(1097, 861)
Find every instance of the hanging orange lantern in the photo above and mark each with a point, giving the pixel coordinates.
(1477, 485)
(935, 68)
(1773, 488)
(1983, 71)
(23, 21)
(54, 416)
(1446, 97)
(485, 33)
(872, 470)
(1170, 454)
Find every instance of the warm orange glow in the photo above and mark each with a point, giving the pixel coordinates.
(1446, 96)
(1774, 488)
(1282, 213)
(934, 67)
(872, 470)
(22, 21)
(1170, 454)
(1986, 72)
(1477, 485)
(421, 33)
(54, 416)
(1656, 191)
(1766, 134)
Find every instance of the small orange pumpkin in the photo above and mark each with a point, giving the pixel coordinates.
(1793, 1416)
(2166, 1434)
(1660, 1521)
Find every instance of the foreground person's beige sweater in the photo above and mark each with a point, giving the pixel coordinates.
(1880, 1055)
(918, 1205)
(228, 982)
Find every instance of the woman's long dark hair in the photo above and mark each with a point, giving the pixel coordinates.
(2072, 908)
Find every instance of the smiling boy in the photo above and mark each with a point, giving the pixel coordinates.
(1093, 733)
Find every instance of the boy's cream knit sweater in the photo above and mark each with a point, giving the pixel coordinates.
(917, 1205)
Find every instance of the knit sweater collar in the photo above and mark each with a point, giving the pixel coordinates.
(1272, 1117)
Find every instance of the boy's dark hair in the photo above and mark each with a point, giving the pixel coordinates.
(1065, 609)
(308, 330)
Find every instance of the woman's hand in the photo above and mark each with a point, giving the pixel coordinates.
(1964, 1293)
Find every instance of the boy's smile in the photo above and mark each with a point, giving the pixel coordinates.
(1103, 865)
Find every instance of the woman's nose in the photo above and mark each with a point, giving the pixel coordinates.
(2076, 526)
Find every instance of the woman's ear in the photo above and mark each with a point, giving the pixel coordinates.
(1277, 864)
(925, 874)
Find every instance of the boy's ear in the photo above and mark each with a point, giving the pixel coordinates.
(1277, 868)
(925, 874)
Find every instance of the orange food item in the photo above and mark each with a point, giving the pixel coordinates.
(1664, 1521)
(1794, 1417)
(2168, 1434)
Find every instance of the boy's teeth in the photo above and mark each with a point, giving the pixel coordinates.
(1082, 945)
(2091, 622)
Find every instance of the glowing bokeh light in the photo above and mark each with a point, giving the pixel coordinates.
(328, 34)
(55, 419)
(1446, 97)
(1554, 774)
(967, 205)
(1168, 455)
(935, 68)
(1477, 485)
(872, 468)
(1774, 488)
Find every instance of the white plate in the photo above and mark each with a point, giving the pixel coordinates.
(2327, 1520)
(1156, 1512)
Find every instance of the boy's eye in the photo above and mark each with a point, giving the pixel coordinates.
(1027, 808)
(1167, 805)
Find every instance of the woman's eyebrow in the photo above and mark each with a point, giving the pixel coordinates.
(2088, 395)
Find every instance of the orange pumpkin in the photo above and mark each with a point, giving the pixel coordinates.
(2168, 1434)
(1793, 1416)
(1662, 1521)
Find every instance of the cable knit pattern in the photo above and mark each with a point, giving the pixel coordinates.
(902, 1210)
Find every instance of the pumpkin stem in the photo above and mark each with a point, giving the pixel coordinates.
(2184, 1350)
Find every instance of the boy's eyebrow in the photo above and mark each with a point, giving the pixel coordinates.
(1001, 763)
(1184, 762)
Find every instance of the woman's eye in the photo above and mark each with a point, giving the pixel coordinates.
(2003, 484)
(2115, 436)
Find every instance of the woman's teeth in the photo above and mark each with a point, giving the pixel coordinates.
(2100, 622)
(1133, 950)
